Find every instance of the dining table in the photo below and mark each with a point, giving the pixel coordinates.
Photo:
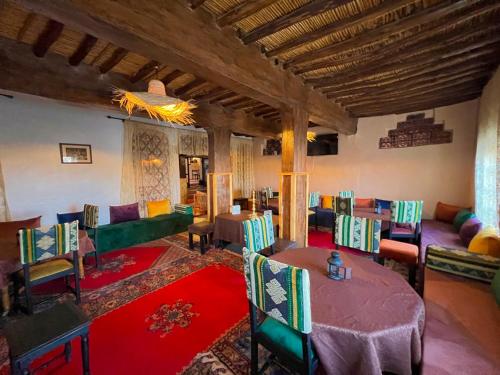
(369, 213)
(229, 227)
(10, 261)
(368, 324)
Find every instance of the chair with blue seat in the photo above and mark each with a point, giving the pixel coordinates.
(313, 206)
(42, 253)
(358, 233)
(286, 328)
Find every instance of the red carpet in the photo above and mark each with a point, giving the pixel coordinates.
(161, 332)
(324, 240)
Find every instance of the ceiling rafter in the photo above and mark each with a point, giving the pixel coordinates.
(87, 43)
(241, 11)
(195, 83)
(145, 71)
(172, 76)
(196, 3)
(115, 58)
(30, 18)
(50, 34)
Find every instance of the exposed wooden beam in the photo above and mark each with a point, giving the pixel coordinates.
(344, 23)
(256, 107)
(51, 77)
(117, 56)
(223, 97)
(173, 75)
(83, 49)
(193, 43)
(212, 94)
(242, 11)
(196, 3)
(30, 18)
(250, 104)
(197, 82)
(49, 35)
(308, 10)
(272, 115)
(425, 16)
(264, 111)
(145, 71)
(238, 101)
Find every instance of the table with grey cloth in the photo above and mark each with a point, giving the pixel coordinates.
(369, 324)
(229, 227)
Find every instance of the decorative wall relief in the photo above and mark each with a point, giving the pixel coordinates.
(416, 131)
(273, 147)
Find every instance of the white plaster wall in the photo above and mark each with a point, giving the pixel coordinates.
(431, 173)
(36, 182)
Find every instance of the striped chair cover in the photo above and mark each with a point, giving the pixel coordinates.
(406, 212)
(343, 206)
(90, 216)
(347, 194)
(259, 232)
(47, 242)
(314, 199)
(358, 233)
(279, 290)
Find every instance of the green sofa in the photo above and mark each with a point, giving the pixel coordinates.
(122, 235)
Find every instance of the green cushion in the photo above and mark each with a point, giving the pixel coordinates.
(495, 286)
(461, 217)
(283, 336)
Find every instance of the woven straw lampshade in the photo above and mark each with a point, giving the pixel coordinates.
(156, 103)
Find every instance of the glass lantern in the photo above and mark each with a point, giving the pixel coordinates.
(336, 269)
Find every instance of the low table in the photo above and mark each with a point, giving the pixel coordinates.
(33, 336)
(204, 230)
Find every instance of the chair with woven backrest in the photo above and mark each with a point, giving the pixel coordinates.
(259, 235)
(37, 248)
(313, 206)
(357, 233)
(347, 194)
(91, 224)
(282, 293)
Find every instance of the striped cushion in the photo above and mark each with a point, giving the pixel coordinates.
(343, 206)
(358, 233)
(259, 232)
(47, 242)
(347, 194)
(279, 290)
(463, 263)
(406, 212)
(314, 199)
(90, 216)
(185, 209)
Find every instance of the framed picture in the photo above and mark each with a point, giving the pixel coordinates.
(72, 153)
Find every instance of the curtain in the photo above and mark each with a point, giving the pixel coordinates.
(150, 164)
(488, 154)
(4, 209)
(242, 167)
(193, 143)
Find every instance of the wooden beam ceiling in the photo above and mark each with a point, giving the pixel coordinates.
(30, 18)
(145, 71)
(195, 83)
(242, 11)
(52, 31)
(113, 60)
(87, 43)
(172, 76)
(191, 42)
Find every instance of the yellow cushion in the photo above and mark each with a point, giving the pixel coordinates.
(486, 242)
(51, 267)
(327, 202)
(156, 208)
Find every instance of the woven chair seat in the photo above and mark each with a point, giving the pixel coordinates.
(49, 268)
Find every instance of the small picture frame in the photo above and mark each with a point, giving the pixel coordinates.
(74, 153)
(236, 209)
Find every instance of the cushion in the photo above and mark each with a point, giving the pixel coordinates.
(384, 204)
(327, 202)
(364, 203)
(469, 229)
(447, 212)
(156, 208)
(127, 212)
(399, 251)
(8, 229)
(495, 286)
(486, 242)
(45, 269)
(70, 217)
(461, 217)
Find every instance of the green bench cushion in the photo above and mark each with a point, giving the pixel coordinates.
(463, 263)
(122, 235)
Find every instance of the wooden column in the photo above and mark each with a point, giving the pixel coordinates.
(294, 181)
(220, 178)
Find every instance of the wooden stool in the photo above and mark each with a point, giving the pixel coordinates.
(35, 335)
(401, 252)
(204, 230)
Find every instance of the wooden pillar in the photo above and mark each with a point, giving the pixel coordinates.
(219, 181)
(294, 181)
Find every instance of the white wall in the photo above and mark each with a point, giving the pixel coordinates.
(431, 173)
(36, 182)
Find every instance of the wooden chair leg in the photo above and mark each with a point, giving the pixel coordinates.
(27, 290)
(85, 355)
(67, 351)
(254, 357)
(191, 244)
(5, 300)
(412, 274)
(202, 244)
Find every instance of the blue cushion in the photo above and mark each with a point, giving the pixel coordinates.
(383, 203)
(70, 217)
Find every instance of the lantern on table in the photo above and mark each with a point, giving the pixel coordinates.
(336, 269)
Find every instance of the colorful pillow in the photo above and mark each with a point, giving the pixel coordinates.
(364, 203)
(469, 229)
(461, 217)
(127, 212)
(327, 202)
(156, 208)
(447, 212)
(8, 229)
(384, 204)
(486, 242)
(69, 217)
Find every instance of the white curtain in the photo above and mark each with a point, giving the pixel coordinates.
(242, 167)
(150, 164)
(4, 209)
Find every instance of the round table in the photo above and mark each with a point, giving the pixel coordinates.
(365, 325)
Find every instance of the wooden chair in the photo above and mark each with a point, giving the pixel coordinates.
(286, 328)
(37, 247)
(259, 235)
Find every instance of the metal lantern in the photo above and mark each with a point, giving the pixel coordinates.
(336, 269)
